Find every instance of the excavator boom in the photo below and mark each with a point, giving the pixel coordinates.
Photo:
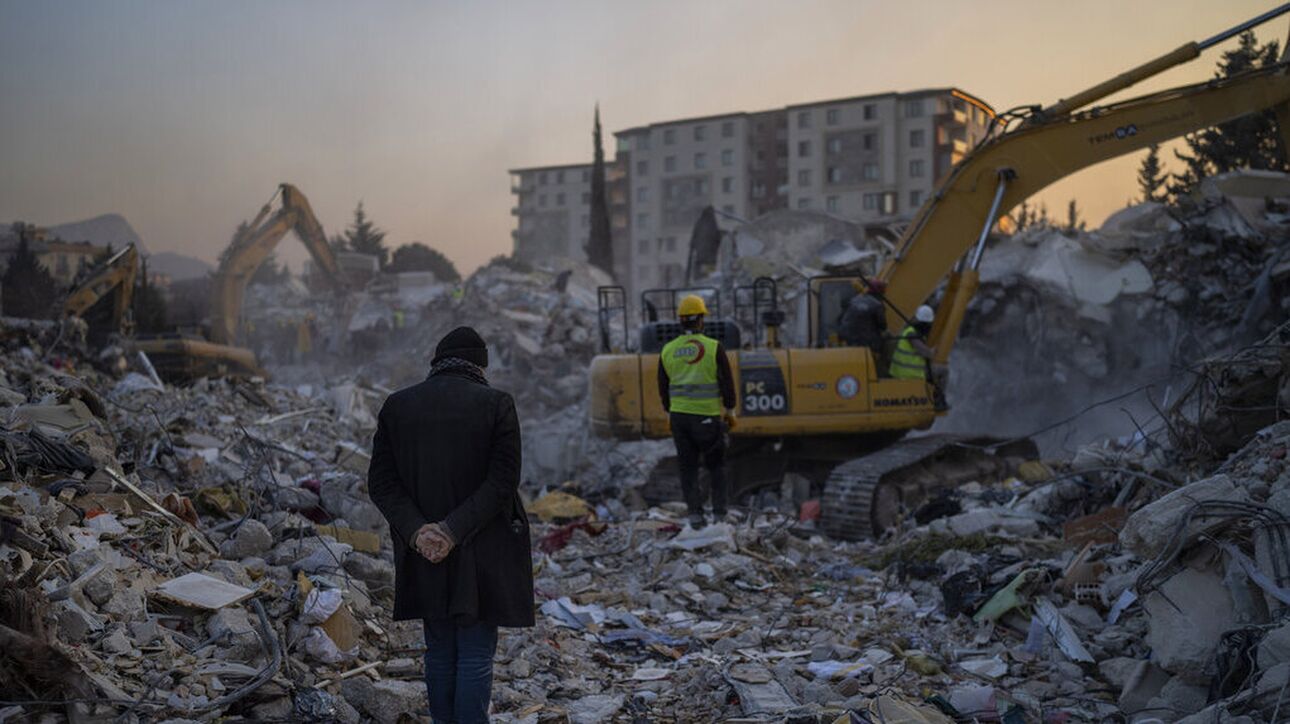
(1006, 170)
(249, 250)
(117, 273)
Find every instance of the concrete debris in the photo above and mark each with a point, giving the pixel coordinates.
(208, 551)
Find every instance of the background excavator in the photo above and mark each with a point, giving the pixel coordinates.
(825, 412)
(103, 298)
(180, 357)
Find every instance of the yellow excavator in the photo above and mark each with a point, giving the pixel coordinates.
(826, 412)
(181, 357)
(113, 279)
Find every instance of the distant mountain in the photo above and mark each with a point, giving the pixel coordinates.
(178, 266)
(102, 230)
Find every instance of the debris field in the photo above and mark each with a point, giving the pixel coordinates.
(207, 550)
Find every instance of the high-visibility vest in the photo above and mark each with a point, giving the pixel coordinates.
(690, 362)
(906, 364)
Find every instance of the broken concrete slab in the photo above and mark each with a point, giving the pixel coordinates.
(1187, 617)
(202, 591)
(386, 701)
(1151, 527)
(252, 538)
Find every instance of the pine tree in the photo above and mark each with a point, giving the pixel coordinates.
(600, 245)
(26, 289)
(420, 257)
(270, 272)
(363, 237)
(1024, 217)
(1074, 223)
(1151, 176)
(148, 305)
(1251, 141)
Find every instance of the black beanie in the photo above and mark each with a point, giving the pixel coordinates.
(464, 343)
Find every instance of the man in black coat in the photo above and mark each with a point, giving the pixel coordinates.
(445, 471)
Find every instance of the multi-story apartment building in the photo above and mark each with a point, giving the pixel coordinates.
(871, 159)
(875, 159)
(553, 208)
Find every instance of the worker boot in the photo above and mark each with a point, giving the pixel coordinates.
(698, 521)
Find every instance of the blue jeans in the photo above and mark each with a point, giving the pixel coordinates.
(459, 670)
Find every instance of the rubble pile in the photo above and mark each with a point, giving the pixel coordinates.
(187, 552)
(210, 552)
(1062, 313)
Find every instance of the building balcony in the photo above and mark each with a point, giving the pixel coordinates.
(515, 211)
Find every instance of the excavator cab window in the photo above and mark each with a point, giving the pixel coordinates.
(829, 298)
(659, 324)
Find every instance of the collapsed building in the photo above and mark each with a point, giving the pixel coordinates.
(208, 550)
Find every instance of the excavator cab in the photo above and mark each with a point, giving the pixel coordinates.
(659, 324)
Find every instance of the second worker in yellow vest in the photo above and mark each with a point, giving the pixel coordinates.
(695, 384)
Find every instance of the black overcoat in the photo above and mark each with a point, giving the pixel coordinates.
(448, 449)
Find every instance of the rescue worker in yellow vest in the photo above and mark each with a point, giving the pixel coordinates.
(912, 358)
(695, 384)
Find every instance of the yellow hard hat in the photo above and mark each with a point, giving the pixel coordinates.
(691, 305)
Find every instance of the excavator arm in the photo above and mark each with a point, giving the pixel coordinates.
(249, 250)
(117, 273)
(1007, 169)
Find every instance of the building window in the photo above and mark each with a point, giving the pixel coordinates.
(835, 174)
(541, 199)
(803, 149)
(870, 141)
(835, 145)
(728, 185)
(729, 209)
(669, 244)
(586, 221)
(758, 189)
(700, 160)
(642, 194)
(831, 203)
(586, 176)
(669, 136)
(803, 203)
(701, 186)
(832, 116)
(870, 171)
(669, 164)
(915, 199)
(916, 168)
(642, 221)
(542, 178)
(889, 202)
(914, 108)
(870, 111)
(728, 157)
(804, 177)
(803, 119)
(642, 247)
(871, 202)
(728, 129)
(559, 199)
(559, 177)
(586, 198)
(700, 132)
(642, 168)
(642, 143)
(916, 139)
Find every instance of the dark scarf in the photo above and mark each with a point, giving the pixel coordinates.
(469, 370)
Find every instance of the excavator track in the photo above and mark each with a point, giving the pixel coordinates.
(865, 497)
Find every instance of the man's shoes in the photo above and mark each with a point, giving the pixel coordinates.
(697, 521)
